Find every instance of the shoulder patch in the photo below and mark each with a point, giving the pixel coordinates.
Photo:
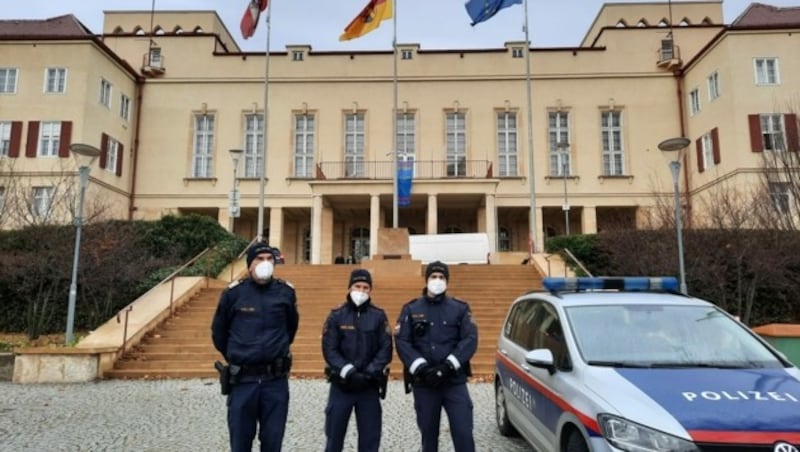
(234, 284)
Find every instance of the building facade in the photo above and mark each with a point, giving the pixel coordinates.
(166, 107)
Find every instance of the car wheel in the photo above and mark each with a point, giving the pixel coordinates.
(575, 443)
(501, 414)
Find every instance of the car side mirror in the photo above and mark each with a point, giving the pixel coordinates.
(542, 358)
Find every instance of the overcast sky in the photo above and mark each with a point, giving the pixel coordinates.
(434, 24)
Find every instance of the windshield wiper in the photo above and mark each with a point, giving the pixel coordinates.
(617, 364)
(690, 365)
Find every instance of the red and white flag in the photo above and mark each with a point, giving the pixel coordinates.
(250, 18)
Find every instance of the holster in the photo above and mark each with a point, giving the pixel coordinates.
(408, 380)
(224, 377)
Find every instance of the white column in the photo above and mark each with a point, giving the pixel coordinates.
(433, 220)
(589, 220)
(374, 223)
(316, 229)
(276, 227)
(491, 224)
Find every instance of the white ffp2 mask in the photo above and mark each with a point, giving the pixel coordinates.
(359, 297)
(437, 286)
(264, 270)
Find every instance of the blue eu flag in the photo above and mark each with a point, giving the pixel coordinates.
(483, 10)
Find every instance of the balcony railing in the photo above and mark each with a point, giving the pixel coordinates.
(422, 169)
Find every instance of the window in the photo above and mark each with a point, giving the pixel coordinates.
(558, 128)
(304, 136)
(694, 101)
(613, 153)
(253, 145)
(42, 201)
(354, 145)
(456, 153)
(507, 143)
(406, 137)
(5, 138)
(406, 54)
(55, 80)
(767, 72)
(112, 155)
(125, 107)
(297, 55)
(503, 239)
(772, 132)
(155, 57)
(203, 145)
(105, 93)
(517, 52)
(779, 192)
(713, 85)
(8, 80)
(49, 139)
(707, 151)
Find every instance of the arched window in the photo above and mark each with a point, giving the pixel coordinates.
(118, 31)
(621, 24)
(198, 29)
(663, 23)
(138, 31)
(503, 239)
(159, 31)
(178, 30)
(642, 23)
(685, 22)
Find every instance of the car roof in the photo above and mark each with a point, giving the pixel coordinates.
(610, 297)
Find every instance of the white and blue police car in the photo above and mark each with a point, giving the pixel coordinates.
(630, 364)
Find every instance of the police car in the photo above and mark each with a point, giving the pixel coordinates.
(630, 364)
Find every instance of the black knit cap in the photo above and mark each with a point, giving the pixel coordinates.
(255, 250)
(437, 266)
(360, 275)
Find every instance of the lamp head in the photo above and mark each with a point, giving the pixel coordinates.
(236, 154)
(85, 154)
(674, 144)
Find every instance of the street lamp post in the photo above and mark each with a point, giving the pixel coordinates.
(84, 157)
(671, 145)
(233, 206)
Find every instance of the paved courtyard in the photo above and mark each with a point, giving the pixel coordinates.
(189, 415)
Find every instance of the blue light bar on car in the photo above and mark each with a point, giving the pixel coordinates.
(628, 283)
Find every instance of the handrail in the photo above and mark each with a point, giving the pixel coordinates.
(171, 278)
(577, 261)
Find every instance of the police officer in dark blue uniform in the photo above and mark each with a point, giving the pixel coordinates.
(357, 346)
(435, 338)
(255, 323)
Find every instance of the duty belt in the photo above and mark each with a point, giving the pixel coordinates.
(272, 369)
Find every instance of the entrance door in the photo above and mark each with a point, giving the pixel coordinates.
(359, 244)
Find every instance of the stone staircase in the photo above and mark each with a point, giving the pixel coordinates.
(181, 346)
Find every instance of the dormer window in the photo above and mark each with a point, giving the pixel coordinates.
(406, 54)
(517, 52)
(298, 55)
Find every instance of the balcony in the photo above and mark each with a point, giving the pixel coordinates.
(422, 169)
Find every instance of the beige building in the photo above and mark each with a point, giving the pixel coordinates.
(165, 109)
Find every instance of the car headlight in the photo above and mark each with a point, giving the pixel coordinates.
(632, 437)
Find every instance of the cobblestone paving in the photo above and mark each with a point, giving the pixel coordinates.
(189, 415)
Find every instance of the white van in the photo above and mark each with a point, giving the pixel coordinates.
(472, 248)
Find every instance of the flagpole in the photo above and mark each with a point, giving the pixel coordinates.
(263, 176)
(394, 118)
(531, 176)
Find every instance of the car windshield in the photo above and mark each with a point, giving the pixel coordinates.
(664, 336)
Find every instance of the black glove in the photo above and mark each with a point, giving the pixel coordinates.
(357, 381)
(439, 374)
(419, 374)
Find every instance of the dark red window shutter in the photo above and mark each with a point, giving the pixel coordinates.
(715, 144)
(33, 139)
(120, 148)
(756, 141)
(65, 139)
(792, 142)
(16, 139)
(698, 144)
(103, 150)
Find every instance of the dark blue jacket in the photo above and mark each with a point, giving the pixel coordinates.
(434, 328)
(255, 323)
(357, 335)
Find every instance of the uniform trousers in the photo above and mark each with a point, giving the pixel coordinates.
(368, 418)
(428, 403)
(264, 402)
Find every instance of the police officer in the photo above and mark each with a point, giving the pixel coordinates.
(435, 338)
(255, 322)
(357, 346)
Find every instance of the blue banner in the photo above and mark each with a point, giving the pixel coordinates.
(405, 173)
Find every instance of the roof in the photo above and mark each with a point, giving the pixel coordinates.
(761, 15)
(62, 26)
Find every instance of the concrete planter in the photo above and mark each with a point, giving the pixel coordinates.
(6, 366)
